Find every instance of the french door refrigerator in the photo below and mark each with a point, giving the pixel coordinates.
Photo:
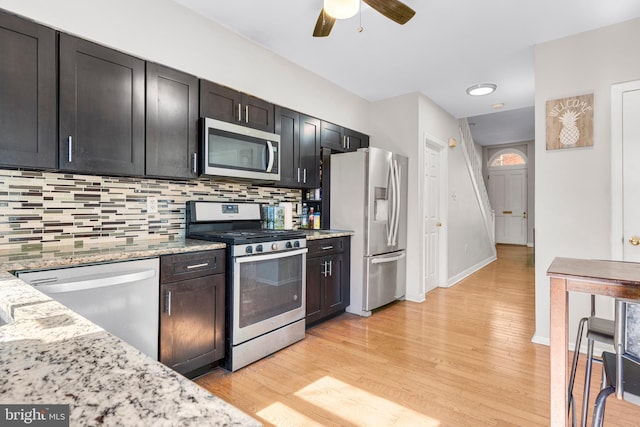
(368, 193)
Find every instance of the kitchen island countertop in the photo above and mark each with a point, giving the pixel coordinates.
(326, 234)
(51, 355)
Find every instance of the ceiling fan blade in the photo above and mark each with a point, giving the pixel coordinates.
(324, 24)
(393, 9)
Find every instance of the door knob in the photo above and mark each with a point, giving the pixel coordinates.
(634, 240)
(439, 224)
(524, 215)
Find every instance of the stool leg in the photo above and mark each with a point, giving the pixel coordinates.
(574, 365)
(587, 383)
(598, 412)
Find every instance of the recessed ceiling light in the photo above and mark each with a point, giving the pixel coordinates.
(498, 106)
(481, 89)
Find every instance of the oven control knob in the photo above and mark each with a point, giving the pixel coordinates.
(288, 245)
(249, 249)
(274, 247)
(296, 244)
(259, 248)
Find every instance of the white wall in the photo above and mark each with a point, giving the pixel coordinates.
(167, 33)
(573, 186)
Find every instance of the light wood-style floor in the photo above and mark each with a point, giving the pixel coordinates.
(462, 358)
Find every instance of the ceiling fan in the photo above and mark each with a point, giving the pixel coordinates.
(342, 9)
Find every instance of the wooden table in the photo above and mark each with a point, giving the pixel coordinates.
(611, 278)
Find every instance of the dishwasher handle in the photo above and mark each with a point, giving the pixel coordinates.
(95, 281)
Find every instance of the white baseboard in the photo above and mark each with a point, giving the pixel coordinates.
(469, 271)
(598, 348)
(415, 298)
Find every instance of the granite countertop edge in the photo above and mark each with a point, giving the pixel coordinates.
(327, 234)
(51, 355)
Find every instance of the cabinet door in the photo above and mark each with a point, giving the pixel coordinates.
(309, 152)
(220, 102)
(172, 123)
(288, 127)
(27, 93)
(332, 137)
(355, 140)
(333, 285)
(314, 290)
(101, 109)
(258, 113)
(192, 322)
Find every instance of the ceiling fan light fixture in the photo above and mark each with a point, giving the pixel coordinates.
(481, 89)
(341, 9)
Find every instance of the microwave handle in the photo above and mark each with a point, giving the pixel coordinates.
(271, 156)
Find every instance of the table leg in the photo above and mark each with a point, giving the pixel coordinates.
(559, 356)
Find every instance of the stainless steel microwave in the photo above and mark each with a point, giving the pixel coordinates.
(236, 151)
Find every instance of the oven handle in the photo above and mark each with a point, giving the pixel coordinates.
(254, 258)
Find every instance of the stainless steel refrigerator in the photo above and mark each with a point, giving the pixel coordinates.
(369, 196)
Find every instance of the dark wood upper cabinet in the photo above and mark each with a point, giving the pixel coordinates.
(102, 109)
(172, 123)
(27, 94)
(299, 149)
(310, 151)
(229, 105)
(355, 140)
(332, 137)
(342, 140)
(287, 125)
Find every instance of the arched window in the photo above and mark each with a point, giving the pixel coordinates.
(506, 158)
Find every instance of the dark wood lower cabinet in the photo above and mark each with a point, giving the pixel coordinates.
(192, 310)
(327, 291)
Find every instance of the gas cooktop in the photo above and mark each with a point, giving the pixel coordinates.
(238, 237)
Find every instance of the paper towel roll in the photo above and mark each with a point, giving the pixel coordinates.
(288, 215)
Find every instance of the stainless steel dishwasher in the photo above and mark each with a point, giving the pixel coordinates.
(120, 297)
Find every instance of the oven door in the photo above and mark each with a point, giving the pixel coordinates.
(268, 292)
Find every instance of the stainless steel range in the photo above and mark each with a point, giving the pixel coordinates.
(266, 278)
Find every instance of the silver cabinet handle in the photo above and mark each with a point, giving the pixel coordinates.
(239, 112)
(330, 268)
(326, 248)
(348, 143)
(168, 303)
(344, 142)
(324, 269)
(204, 264)
(70, 149)
(298, 174)
(195, 163)
(246, 114)
(304, 176)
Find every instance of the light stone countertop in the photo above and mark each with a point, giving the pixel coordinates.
(51, 355)
(326, 234)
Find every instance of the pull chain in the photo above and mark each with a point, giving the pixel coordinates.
(360, 27)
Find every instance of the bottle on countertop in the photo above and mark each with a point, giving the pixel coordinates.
(311, 218)
(316, 220)
(304, 219)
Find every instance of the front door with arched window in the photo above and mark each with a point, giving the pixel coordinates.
(508, 195)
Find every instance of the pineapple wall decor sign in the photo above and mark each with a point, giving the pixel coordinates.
(570, 122)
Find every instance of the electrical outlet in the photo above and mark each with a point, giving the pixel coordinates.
(152, 205)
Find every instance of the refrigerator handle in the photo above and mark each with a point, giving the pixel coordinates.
(396, 194)
(390, 259)
(391, 200)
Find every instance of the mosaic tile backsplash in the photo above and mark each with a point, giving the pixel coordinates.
(42, 210)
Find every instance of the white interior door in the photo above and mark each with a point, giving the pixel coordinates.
(631, 174)
(508, 195)
(431, 217)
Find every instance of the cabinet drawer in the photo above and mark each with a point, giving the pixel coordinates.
(191, 265)
(325, 247)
